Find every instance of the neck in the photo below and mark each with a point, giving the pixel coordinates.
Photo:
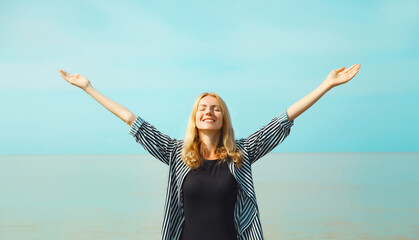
(210, 138)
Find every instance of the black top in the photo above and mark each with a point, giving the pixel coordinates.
(209, 197)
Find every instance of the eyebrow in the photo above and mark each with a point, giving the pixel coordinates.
(204, 105)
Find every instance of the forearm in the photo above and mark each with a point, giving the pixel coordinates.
(306, 102)
(120, 111)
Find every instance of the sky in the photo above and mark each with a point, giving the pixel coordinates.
(156, 57)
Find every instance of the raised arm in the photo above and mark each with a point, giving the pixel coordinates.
(156, 143)
(120, 111)
(336, 77)
(272, 134)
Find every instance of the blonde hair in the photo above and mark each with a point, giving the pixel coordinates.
(194, 150)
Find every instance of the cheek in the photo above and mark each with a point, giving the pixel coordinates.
(197, 119)
(222, 120)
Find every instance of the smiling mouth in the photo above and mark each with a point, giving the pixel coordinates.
(209, 120)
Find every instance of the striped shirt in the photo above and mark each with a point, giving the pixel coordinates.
(168, 150)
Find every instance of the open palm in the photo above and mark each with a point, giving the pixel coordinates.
(339, 76)
(76, 80)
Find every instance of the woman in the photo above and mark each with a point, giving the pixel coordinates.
(210, 192)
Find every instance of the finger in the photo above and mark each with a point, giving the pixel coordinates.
(62, 73)
(352, 75)
(65, 74)
(357, 66)
(350, 68)
(354, 69)
(340, 69)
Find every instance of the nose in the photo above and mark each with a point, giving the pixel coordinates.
(208, 112)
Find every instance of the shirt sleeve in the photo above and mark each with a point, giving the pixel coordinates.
(267, 138)
(156, 143)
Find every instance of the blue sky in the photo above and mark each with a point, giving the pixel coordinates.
(156, 57)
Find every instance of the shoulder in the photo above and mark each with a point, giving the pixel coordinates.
(240, 143)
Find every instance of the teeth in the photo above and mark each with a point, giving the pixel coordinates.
(208, 120)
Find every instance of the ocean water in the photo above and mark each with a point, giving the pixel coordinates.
(300, 196)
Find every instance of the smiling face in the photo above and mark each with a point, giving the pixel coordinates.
(209, 115)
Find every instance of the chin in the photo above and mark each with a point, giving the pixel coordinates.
(215, 129)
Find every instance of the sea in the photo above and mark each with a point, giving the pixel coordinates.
(364, 195)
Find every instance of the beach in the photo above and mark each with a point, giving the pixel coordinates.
(300, 196)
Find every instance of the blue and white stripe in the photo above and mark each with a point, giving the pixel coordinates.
(168, 150)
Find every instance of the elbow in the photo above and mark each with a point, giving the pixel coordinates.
(130, 119)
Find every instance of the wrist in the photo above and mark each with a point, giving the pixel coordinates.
(326, 85)
(88, 88)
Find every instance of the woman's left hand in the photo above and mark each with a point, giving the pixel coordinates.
(339, 76)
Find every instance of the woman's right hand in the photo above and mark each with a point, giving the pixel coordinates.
(77, 80)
